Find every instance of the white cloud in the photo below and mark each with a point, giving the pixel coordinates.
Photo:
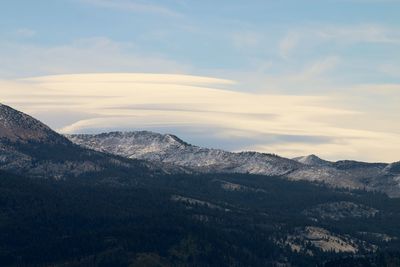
(296, 125)
(133, 78)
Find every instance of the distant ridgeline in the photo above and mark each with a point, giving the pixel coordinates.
(170, 150)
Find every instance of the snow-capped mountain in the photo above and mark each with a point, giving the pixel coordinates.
(28, 146)
(172, 150)
(313, 160)
(169, 149)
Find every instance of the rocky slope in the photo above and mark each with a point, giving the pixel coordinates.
(19, 127)
(29, 147)
(169, 149)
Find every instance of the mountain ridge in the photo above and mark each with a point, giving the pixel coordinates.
(29, 147)
(151, 146)
(17, 126)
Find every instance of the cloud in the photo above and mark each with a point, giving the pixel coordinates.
(288, 44)
(390, 70)
(25, 32)
(97, 54)
(246, 39)
(367, 33)
(199, 108)
(319, 67)
(372, 149)
(133, 78)
(133, 6)
(306, 38)
(311, 77)
(386, 88)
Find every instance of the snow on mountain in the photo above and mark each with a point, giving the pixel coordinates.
(393, 168)
(169, 149)
(28, 146)
(172, 150)
(313, 160)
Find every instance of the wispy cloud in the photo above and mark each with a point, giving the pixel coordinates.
(288, 44)
(368, 33)
(25, 32)
(134, 6)
(311, 77)
(96, 54)
(306, 38)
(284, 124)
(390, 69)
(385, 88)
(320, 67)
(246, 39)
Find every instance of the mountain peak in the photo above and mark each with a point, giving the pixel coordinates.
(17, 126)
(175, 139)
(29, 147)
(127, 142)
(312, 160)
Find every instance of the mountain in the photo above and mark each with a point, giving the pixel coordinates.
(169, 149)
(29, 147)
(393, 168)
(313, 160)
(19, 127)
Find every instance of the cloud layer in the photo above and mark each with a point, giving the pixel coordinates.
(206, 112)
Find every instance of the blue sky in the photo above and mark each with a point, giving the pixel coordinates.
(205, 37)
(345, 51)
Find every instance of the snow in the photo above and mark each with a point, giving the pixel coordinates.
(169, 149)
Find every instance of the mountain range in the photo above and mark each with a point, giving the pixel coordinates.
(31, 148)
(169, 149)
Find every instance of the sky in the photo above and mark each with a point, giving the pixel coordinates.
(291, 77)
